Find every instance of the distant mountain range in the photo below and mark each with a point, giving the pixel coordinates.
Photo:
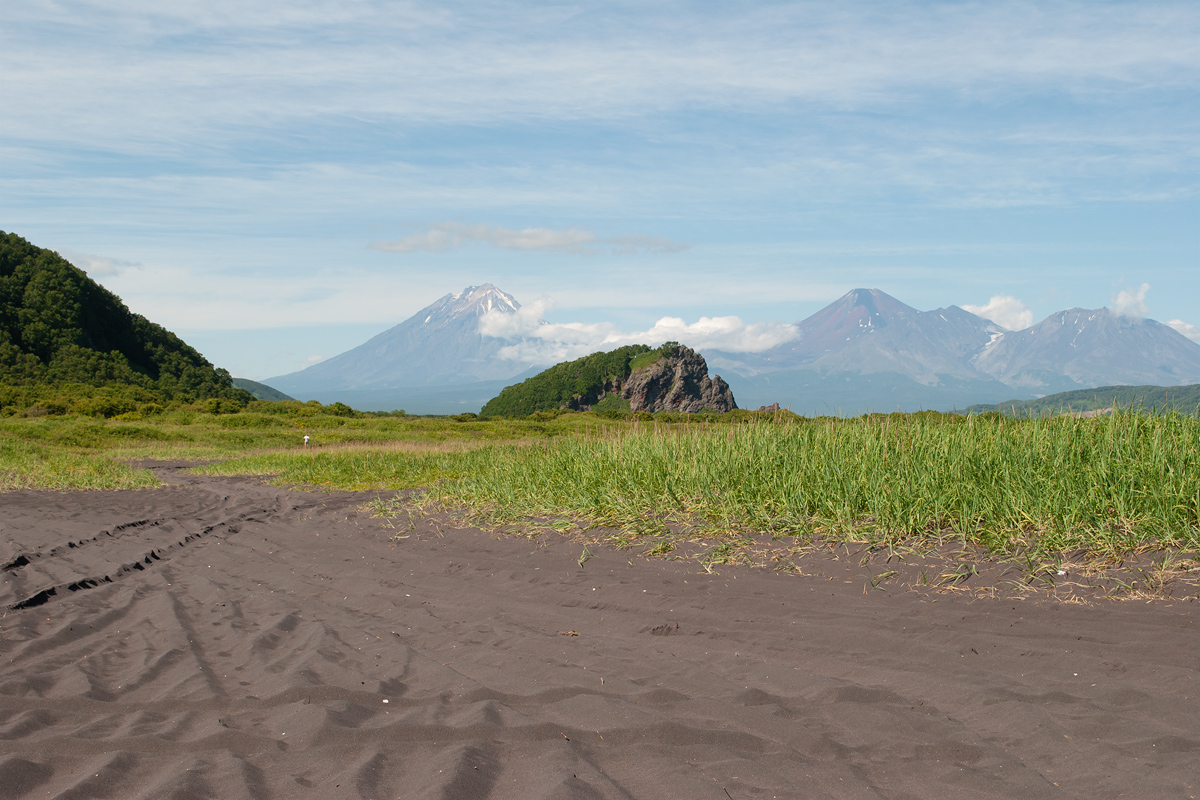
(869, 351)
(865, 351)
(1086, 348)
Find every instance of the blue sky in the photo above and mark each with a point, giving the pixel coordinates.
(279, 181)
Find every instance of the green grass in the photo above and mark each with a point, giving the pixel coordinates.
(612, 402)
(644, 360)
(27, 465)
(1105, 486)
(45, 452)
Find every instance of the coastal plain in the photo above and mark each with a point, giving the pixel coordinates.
(223, 637)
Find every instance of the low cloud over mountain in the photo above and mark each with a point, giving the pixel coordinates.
(1004, 310)
(535, 341)
(1131, 302)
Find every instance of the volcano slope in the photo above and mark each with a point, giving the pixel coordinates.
(221, 637)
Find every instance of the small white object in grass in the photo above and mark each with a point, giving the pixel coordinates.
(1062, 572)
(385, 701)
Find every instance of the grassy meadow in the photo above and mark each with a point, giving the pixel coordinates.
(84, 452)
(1105, 487)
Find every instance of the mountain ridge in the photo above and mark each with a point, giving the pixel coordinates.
(864, 351)
(866, 335)
(1156, 354)
(848, 334)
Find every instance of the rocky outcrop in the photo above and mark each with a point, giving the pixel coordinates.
(677, 382)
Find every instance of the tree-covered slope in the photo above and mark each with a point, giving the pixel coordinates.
(261, 391)
(556, 387)
(1185, 399)
(59, 328)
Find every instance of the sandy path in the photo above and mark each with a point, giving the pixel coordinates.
(254, 642)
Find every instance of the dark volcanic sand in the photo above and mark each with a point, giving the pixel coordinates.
(289, 649)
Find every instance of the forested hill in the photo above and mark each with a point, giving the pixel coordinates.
(586, 378)
(1154, 399)
(61, 329)
(261, 391)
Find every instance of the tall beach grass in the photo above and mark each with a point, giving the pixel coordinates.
(28, 465)
(1109, 485)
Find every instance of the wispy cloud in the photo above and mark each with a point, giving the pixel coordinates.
(476, 63)
(1186, 328)
(539, 342)
(444, 236)
(98, 266)
(1131, 302)
(1004, 310)
(207, 299)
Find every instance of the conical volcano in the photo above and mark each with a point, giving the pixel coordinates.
(867, 331)
(440, 345)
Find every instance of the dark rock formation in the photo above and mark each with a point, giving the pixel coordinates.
(770, 408)
(677, 382)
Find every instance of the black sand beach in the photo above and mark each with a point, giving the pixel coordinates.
(224, 638)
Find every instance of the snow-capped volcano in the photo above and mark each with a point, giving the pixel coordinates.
(1081, 348)
(867, 331)
(439, 345)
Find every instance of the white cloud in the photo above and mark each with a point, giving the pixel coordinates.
(713, 333)
(195, 296)
(1004, 310)
(1131, 302)
(637, 243)
(453, 235)
(1186, 328)
(435, 61)
(432, 240)
(313, 359)
(541, 342)
(97, 266)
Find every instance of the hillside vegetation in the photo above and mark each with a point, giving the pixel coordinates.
(563, 383)
(1148, 399)
(67, 344)
(261, 391)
